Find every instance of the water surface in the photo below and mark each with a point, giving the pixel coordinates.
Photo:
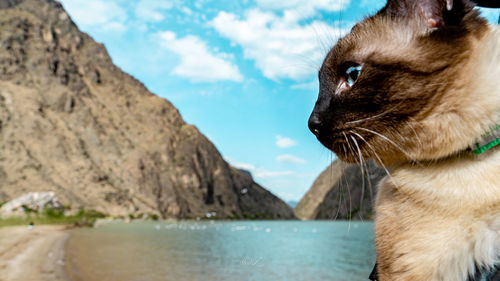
(234, 251)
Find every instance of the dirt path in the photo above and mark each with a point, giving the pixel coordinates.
(32, 255)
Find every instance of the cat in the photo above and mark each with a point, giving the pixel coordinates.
(416, 87)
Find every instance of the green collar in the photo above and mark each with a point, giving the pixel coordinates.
(487, 141)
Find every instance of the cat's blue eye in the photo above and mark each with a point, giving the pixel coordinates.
(352, 74)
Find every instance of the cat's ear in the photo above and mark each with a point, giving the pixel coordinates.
(430, 13)
(433, 11)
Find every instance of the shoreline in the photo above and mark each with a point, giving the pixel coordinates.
(35, 255)
(49, 252)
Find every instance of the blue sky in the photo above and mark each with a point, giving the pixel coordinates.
(244, 72)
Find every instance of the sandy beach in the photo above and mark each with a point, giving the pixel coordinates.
(32, 255)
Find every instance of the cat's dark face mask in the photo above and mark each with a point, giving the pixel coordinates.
(379, 83)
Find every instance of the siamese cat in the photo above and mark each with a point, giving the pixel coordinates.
(417, 88)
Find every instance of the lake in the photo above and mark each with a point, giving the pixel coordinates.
(231, 250)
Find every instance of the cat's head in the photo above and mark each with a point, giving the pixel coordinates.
(396, 87)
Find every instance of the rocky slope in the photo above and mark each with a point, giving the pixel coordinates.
(341, 193)
(73, 123)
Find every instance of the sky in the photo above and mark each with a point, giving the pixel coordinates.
(243, 72)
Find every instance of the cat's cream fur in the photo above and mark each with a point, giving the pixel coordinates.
(436, 221)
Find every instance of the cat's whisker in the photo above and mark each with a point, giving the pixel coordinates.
(340, 196)
(342, 193)
(349, 147)
(325, 40)
(412, 127)
(374, 152)
(362, 166)
(347, 182)
(376, 156)
(403, 138)
(306, 63)
(345, 149)
(376, 116)
(368, 182)
(421, 145)
(368, 177)
(393, 143)
(439, 83)
(343, 186)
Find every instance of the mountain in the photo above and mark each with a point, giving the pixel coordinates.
(342, 191)
(73, 123)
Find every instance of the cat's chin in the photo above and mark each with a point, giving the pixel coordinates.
(342, 149)
(352, 157)
(366, 147)
(351, 154)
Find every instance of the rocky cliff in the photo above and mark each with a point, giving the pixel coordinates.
(73, 123)
(342, 191)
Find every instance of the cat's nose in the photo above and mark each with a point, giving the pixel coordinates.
(314, 124)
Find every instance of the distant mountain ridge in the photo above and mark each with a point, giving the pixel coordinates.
(73, 123)
(340, 193)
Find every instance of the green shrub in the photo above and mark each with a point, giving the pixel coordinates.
(53, 213)
(55, 216)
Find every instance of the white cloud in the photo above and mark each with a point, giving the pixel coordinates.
(152, 10)
(299, 9)
(106, 15)
(264, 174)
(310, 86)
(243, 166)
(283, 142)
(200, 3)
(327, 5)
(290, 159)
(187, 11)
(259, 172)
(198, 63)
(280, 45)
(115, 26)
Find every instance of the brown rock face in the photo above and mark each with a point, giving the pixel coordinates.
(73, 123)
(340, 192)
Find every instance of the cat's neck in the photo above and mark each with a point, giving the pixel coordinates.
(471, 106)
